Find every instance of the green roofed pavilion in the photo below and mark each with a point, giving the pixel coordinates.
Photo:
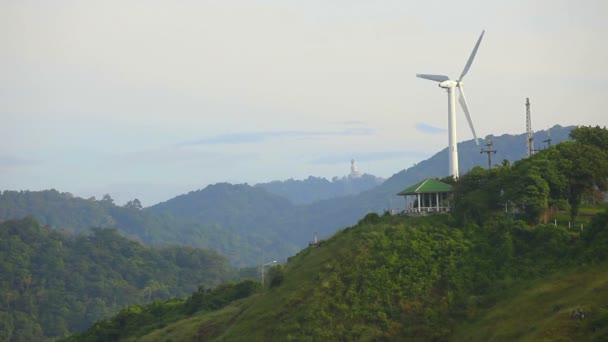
(427, 197)
(426, 186)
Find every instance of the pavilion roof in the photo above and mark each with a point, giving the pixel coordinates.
(429, 185)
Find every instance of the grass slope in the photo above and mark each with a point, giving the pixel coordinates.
(539, 310)
(395, 278)
(542, 310)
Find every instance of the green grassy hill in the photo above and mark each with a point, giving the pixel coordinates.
(535, 311)
(398, 278)
(543, 310)
(428, 278)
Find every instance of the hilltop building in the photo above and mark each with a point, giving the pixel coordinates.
(430, 196)
(354, 169)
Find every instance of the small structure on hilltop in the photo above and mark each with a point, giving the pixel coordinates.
(315, 242)
(354, 169)
(430, 196)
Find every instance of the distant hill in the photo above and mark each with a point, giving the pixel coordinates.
(257, 217)
(71, 214)
(248, 224)
(314, 189)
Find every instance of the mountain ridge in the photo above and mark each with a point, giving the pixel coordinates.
(246, 223)
(313, 189)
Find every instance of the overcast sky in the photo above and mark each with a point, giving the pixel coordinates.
(151, 99)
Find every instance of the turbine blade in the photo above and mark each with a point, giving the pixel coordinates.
(463, 103)
(472, 57)
(438, 78)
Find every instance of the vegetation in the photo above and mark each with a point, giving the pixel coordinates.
(247, 224)
(429, 278)
(137, 320)
(399, 278)
(53, 284)
(547, 309)
(558, 178)
(387, 278)
(232, 237)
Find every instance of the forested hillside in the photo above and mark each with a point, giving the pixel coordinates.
(313, 189)
(560, 178)
(256, 217)
(53, 284)
(398, 278)
(241, 244)
(429, 278)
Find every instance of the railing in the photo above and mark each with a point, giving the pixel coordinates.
(425, 211)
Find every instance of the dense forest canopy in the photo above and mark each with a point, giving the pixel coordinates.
(233, 238)
(53, 284)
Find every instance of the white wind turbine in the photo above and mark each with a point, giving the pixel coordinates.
(445, 82)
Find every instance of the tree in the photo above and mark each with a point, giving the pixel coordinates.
(107, 199)
(134, 204)
(586, 169)
(594, 136)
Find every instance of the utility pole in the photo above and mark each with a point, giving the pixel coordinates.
(548, 140)
(489, 151)
(529, 132)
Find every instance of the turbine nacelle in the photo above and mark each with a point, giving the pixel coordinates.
(448, 84)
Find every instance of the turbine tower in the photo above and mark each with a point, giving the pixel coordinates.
(450, 85)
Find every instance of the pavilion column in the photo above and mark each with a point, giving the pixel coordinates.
(418, 202)
(437, 200)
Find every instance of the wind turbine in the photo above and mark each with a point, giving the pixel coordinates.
(447, 83)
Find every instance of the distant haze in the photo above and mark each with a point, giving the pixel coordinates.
(151, 99)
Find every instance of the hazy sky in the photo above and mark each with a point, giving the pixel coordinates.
(150, 99)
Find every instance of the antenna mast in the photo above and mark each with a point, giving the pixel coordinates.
(529, 132)
(489, 151)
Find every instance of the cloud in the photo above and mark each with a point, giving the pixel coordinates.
(425, 128)
(368, 156)
(179, 154)
(351, 122)
(12, 161)
(256, 137)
